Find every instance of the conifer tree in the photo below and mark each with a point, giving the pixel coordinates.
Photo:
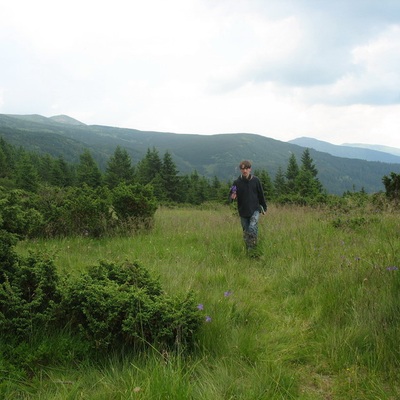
(307, 183)
(87, 171)
(216, 190)
(9, 158)
(61, 174)
(198, 190)
(45, 164)
(170, 179)
(307, 163)
(280, 183)
(292, 172)
(27, 175)
(119, 169)
(266, 182)
(149, 167)
(3, 164)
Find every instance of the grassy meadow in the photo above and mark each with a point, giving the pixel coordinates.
(316, 316)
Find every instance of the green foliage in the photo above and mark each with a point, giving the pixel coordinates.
(19, 213)
(75, 211)
(133, 203)
(149, 167)
(27, 176)
(299, 185)
(8, 257)
(88, 172)
(292, 171)
(109, 307)
(279, 183)
(115, 304)
(119, 169)
(266, 182)
(392, 186)
(171, 187)
(28, 295)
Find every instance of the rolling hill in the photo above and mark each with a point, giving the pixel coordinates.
(210, 155)
(362, 152)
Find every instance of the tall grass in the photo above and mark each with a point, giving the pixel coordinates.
(315, 317)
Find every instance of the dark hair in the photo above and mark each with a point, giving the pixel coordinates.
(245, 164)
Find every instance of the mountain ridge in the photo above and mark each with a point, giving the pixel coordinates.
(210, 155)
(362, 152)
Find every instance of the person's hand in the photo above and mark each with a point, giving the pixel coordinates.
(233, 196)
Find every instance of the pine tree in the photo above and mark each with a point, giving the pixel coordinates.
(119, 169)
(307, 163)
(27, 175)
(307, 183)
(3, 164)
(170, 179)
(199, 189)
(149, 167)
(216, 191)
(280, 183)
(87, 171)
(266, 183)
(61, 174)
(9, 160)
(291, 174)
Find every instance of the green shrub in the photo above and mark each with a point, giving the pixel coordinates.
(134, 205)
(19, 214)
(108, 307)
(121, 304)
(8, 257)
(76, 211)
(28, 295)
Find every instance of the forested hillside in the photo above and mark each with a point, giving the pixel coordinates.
(210, 156)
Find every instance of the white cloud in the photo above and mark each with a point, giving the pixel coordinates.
(282, 68)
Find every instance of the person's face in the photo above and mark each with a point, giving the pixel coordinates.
(245, 171)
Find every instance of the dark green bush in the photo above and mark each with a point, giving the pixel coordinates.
(109, 307)
(29, 293)
(121, 304)
(76, 211)
(19, 213)
(8, 257)
(134, 205)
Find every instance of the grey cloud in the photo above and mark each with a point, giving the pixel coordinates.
(332, 30)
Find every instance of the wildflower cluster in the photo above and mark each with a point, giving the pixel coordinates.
(200, 306)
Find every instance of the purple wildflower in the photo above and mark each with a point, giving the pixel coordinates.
(227, 293)
(208, 318)
(393, 268)
(200, 307)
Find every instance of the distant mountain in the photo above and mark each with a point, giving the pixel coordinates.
(384, 149)
(362, 152)
(209, 155)
(64, 119)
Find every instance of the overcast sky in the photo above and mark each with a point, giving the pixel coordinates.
(327, 69)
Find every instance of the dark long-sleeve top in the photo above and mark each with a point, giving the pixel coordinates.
(250, 195)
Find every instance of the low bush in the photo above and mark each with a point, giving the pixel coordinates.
(113, 304)
(108, 307)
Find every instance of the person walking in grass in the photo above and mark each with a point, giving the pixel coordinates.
(248, 192)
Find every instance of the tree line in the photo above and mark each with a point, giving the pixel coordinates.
(29, 171)
(44, 195)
